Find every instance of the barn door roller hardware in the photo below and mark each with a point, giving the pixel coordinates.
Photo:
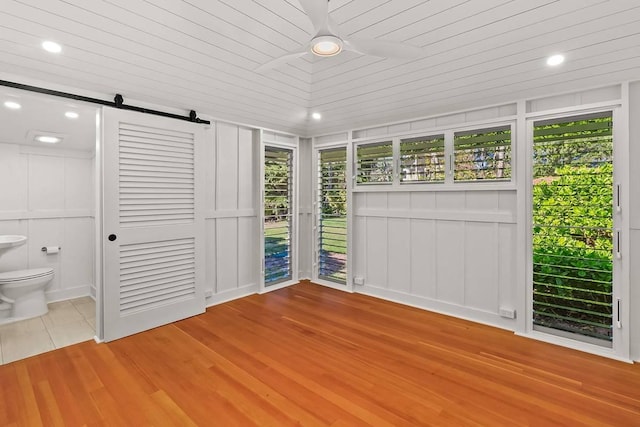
(118, 102)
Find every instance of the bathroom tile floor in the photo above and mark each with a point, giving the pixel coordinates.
(67, 322)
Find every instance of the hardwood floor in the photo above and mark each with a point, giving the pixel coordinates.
(313, 356)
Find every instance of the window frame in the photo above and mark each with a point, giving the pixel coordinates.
(449, 183)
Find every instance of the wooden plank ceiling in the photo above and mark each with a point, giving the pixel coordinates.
(201, 54)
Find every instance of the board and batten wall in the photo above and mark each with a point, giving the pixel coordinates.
(47, 194)
(232, 231)
(446, 251)
(463, 252)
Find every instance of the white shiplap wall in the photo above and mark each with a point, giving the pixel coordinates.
(47, 195)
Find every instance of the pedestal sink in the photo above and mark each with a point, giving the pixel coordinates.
(11, 241)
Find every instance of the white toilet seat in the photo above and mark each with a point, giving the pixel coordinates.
(21, 275)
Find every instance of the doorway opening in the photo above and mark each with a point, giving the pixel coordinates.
(573, 230)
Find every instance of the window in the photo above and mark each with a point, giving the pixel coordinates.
(278, 214)
(483, 154)
(422, 159)
(375, 163)
(332, 215)
(573, 227)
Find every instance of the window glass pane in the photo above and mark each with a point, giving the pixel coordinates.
(278, 179)
(375, 163)
(422, 159)
(332, 215)
(483, 154)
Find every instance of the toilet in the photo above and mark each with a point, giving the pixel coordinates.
(24, 290)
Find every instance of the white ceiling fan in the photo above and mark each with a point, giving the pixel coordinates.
(329, 42)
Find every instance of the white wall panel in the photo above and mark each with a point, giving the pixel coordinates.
(399, 201)
(227, 167)
(47, 194)
(211, 243)
(481, 266)
(423, 258)
(506, 267)
(246, 169)
(77, 255)
(399, 246)
(376, 252)
(13, 178)
(78, 187)
(47, 232)
(450, 201)
(247, 253)
(481, 200)
(46, 183)
(358, 256)
(210, 163)
(376, 200)
(423, 200)
(450, 259)
(227, 254)
(232, 235)
(575, 99)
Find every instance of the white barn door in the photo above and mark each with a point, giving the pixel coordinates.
(153, 235)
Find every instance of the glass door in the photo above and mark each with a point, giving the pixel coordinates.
(278, 215)
(573, 227)
(331, 249)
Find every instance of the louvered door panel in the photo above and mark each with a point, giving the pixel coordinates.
(154, 272)
(157, 176)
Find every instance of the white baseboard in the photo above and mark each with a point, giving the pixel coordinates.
(232, 294)
(449, 309)
(70, 293)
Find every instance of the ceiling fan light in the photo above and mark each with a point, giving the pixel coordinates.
(326, 46)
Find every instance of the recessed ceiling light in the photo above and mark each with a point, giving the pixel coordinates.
(326, 46)
(48, 139)
(316, 116)
(52, 47)
(12, 105)
(71, 115)
(555, 60)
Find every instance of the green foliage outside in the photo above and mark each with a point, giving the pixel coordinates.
(572, 236)
(335, 240)
(276, 182)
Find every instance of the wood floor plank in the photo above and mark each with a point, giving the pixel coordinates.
(313, 356)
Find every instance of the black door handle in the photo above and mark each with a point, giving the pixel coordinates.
(112, 237)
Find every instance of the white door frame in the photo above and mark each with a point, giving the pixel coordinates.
(293, 146)
(621, 343)
(316, 148)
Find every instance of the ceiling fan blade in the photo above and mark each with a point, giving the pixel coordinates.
(275, 63)
(384, 49)
(318, 13)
